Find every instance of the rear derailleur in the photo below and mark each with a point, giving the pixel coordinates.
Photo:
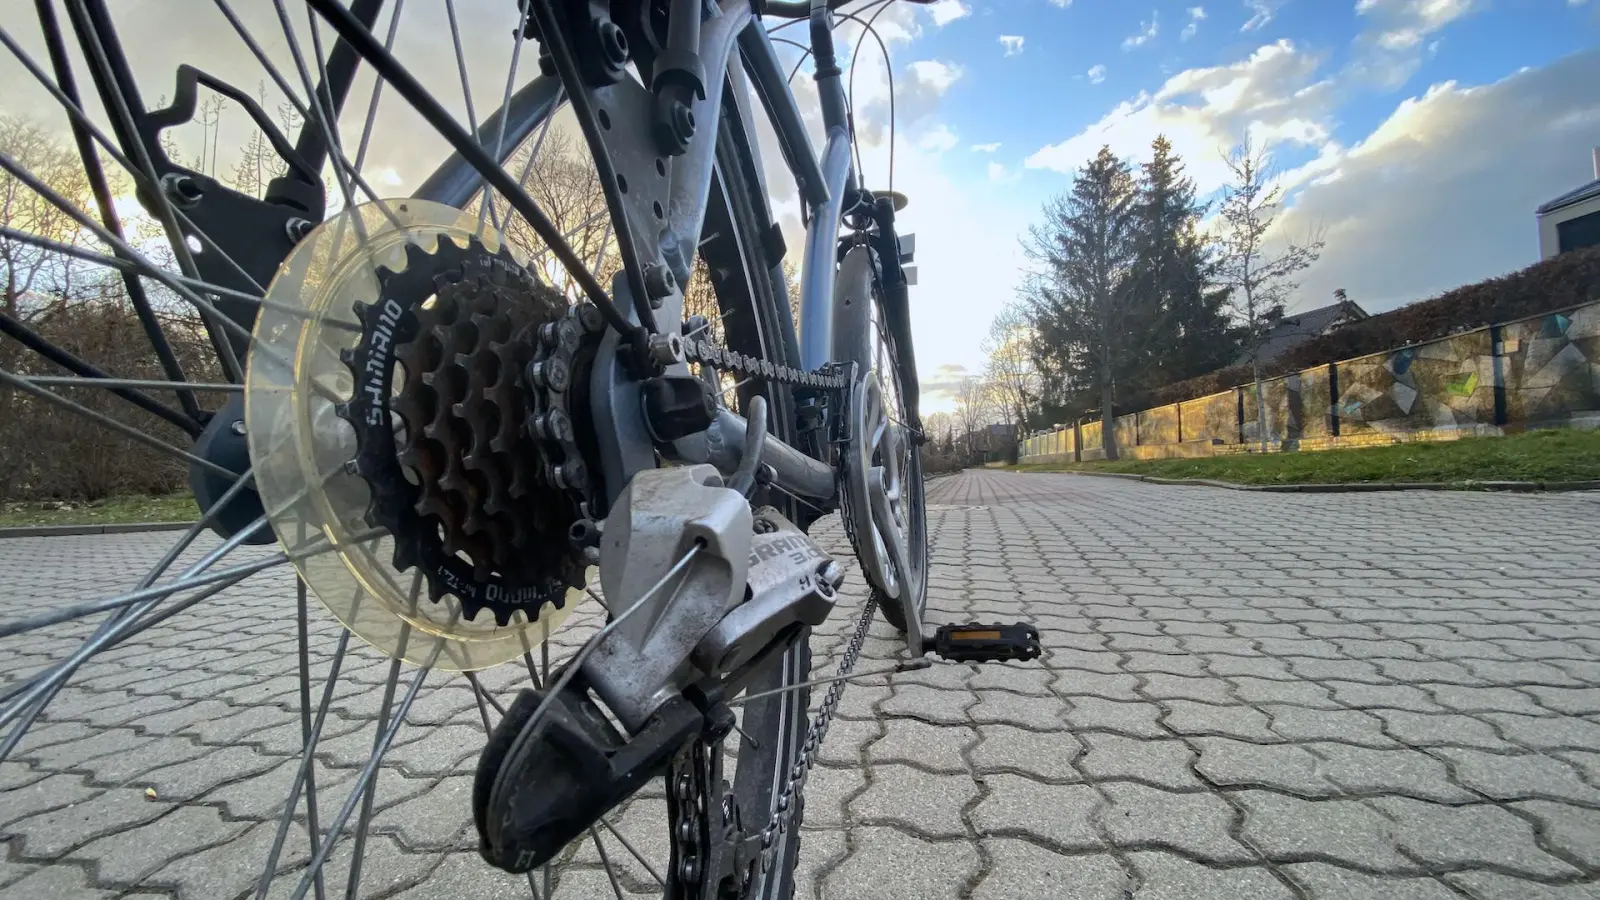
(702, 592)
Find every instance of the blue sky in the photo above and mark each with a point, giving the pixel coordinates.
(1415, 136)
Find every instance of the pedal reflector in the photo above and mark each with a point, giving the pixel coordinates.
(987, 643)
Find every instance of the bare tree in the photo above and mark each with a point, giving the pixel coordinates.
(1010, 370)
(1260, 279)
(33, 281)
(974, 409)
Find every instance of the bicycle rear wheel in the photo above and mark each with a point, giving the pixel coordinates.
(185, 259)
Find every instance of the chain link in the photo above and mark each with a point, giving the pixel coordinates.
(830, 377)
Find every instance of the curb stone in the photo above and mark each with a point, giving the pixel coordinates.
(71, 530)
(1355, 487)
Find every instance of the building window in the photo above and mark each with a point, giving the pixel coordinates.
(1575, 234)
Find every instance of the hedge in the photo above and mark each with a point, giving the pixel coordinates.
(1567, 280)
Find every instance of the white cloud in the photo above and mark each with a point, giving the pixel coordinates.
(935, 75)
(938, 139)
(1096, 74)
(1263, 11)
(1391, 46)
(1012, 44)
(1197, 14)
(1443, 192)
(1272, 96)
(999, 173)
(1063, 4)
(946, 11)
(1147, 31)
(986, 148)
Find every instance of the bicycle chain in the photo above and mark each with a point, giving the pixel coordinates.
(830, 377)
(787, 805)
(693, 792)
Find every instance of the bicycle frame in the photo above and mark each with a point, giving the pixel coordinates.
(823, 185)
(626, 447)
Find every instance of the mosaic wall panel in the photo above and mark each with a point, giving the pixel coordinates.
(1445, 385)
(1552, 369)
(1211, 418)
(1127, 431)
(1159, 425)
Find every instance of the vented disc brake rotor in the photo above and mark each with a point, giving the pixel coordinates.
(444, 543)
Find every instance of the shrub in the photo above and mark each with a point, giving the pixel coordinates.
(1570, 279)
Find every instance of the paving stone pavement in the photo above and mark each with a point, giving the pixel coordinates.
(1243, 696)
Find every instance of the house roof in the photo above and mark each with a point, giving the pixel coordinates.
(1578, 195)
(1292, 331)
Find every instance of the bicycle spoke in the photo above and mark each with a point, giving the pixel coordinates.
(94, 46)
(466, 94)
(67, 614)
(124, 429)
(303, 775)
(370, 795)
(505, 103)
(377, 91)
(55, 199)
(483, 695)
(79, 381)
(605, 860)
(368, 772)
(67, 94)
(334, 154)
(32, 340)
(80, 120)
(44, 687)
(466, 145)
(606, 823)
(303, 640)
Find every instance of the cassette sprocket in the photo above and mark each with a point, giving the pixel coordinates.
(462, 450)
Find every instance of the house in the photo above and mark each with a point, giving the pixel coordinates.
(1292, 331)
(1571, 220)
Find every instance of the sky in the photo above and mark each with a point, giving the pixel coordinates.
(1415, 137)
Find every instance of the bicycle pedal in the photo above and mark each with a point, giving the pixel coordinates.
(987, 643)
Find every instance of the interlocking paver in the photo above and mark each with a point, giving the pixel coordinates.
(1403, 771)
(1497, 886)
(1344, 831)
(1327, 882)
(1236, 721)
(891, 865)
(1282, 767)
(1163, 876)
(1059, 815)
(1469, 835)
(1196, 824)
(1019, 869)
(1218, 713)
(1162, 763)
(931, 747)
(927, 804)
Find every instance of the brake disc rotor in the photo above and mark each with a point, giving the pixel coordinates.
(300, 388)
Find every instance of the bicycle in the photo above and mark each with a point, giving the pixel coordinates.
(413, 405)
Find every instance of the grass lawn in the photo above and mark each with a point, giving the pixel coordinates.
(114, 510)
(1553, 455)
